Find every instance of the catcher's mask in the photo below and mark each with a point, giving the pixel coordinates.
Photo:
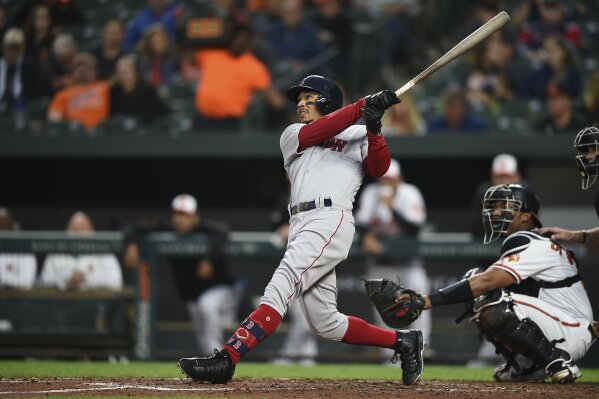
(586, 144)
(330, 96)
(500, 203)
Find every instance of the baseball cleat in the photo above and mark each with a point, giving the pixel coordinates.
(562, 372)
(507, 373)
(409, 346)
(217, 369)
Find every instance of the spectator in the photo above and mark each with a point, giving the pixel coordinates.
(203, 282)
(293, 40)
(335, 29)
(553, 21)
(81, 272)
(62, 12)
(131, 96)
(86, 101)
(561, 115)
(405, 120)
(164, 12)
(39, 34)
(591, 99)
(456, 117)
(111, 48)
(491, 79)
(390, 209)
(558, 65)
(233, 70)
(17, 270)
(62, 65)
(157, 58)
(20, 79)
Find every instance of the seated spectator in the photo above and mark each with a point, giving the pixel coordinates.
(553, 21)
(231, 70)
(39, 34)
(164, 12)
(17, 270)
(456, 117)
(491, 78)
(591, 100)
(293, 39)
(561, 115)
(130, 95)
(20, 79)
(157, 58)
(86, 101)
(558, 65)
(81, 272)
(111, 48)
(62, 64)
(405, 120)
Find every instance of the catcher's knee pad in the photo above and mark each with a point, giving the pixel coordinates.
(494, 313)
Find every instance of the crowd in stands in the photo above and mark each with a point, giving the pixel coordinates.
(205, 65)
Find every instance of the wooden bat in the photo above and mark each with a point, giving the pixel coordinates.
(490, 27)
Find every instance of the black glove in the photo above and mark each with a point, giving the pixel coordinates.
(396, 312)
(372, 117)
(385, 99)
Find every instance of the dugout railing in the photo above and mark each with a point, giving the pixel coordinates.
(145, 321)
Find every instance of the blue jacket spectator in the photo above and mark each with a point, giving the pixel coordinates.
(162, 12)
(456, 118)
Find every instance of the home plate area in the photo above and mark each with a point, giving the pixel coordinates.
(285, 388)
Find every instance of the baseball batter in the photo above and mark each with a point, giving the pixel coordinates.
(325, 157)
(540, 333)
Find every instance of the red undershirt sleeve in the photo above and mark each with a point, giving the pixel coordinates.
(378, 159)
(330, 125)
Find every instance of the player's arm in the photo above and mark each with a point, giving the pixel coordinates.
(588, 237)
(468, 289)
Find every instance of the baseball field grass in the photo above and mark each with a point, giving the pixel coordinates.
(101, 379)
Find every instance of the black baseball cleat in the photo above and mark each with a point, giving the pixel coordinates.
(561, 370)
(409, 346)
(217, 369)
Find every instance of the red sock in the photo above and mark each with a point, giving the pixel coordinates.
(361, 333)
(258, 325)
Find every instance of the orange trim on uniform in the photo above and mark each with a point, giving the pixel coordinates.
(512, 271)
(547, 314)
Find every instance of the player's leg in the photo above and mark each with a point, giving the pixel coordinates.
(300, 344)
(531, 331)
(318, 240)
(320, 307)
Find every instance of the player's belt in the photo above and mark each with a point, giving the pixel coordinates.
(308, 206)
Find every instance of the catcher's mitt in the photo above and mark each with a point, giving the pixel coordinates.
(397, 305)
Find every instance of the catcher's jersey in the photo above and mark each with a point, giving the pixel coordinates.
(332, 169)
(529, 255)
(378, 217)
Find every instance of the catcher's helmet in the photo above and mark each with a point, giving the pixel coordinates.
(586, 144)
(330, 97)
(500, 203)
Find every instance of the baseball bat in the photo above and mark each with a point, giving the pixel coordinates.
(490, 27)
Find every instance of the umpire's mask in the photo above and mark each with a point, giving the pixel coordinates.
(586, 144)
(499, 206)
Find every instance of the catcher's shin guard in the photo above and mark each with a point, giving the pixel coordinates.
(525, 337)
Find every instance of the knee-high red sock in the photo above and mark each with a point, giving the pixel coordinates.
(361, 333)
(258, 325)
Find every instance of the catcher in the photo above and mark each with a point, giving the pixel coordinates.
(541, 333)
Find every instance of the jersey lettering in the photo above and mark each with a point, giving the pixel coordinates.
(334, 144)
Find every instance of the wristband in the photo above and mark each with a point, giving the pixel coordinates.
(459, 292)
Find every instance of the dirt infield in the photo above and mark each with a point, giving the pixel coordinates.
(288, 388)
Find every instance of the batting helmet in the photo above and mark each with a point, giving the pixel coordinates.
(586, 144)
(329, 99)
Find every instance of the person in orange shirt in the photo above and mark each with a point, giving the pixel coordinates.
(86, 101)
(229, 78)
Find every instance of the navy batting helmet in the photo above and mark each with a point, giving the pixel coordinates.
(330, 97)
